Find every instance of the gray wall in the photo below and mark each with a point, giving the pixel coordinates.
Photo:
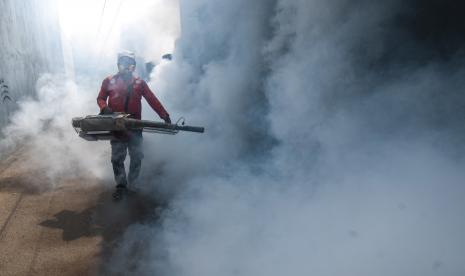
(30, 44)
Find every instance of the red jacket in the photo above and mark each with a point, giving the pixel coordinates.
(116, 90)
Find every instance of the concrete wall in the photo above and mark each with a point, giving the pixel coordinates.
(30, 44)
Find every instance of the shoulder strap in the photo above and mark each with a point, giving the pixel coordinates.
(128, 96)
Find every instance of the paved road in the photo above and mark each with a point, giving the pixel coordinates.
(66, 227)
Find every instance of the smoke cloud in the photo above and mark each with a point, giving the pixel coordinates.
(42, 126)
(333, 142)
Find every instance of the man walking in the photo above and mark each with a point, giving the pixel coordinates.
(124, 93)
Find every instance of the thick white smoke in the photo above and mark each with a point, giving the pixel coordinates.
(325, 152)
(42, 125)
(320, 157)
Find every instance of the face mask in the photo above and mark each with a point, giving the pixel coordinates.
(126, 64)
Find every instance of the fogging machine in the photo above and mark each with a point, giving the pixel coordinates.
(104, 127)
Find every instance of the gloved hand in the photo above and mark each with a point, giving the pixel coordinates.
(167, 120)
(106, 110)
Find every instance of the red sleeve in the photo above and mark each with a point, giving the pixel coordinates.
(153, 101)
(103, 94)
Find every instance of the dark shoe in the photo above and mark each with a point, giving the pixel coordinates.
(120, 192)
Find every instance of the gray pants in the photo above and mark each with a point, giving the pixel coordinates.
(119, 149)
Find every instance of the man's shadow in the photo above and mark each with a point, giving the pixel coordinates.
(107, 219)
(75, 225)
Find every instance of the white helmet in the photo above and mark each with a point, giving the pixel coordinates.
(125, 55)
